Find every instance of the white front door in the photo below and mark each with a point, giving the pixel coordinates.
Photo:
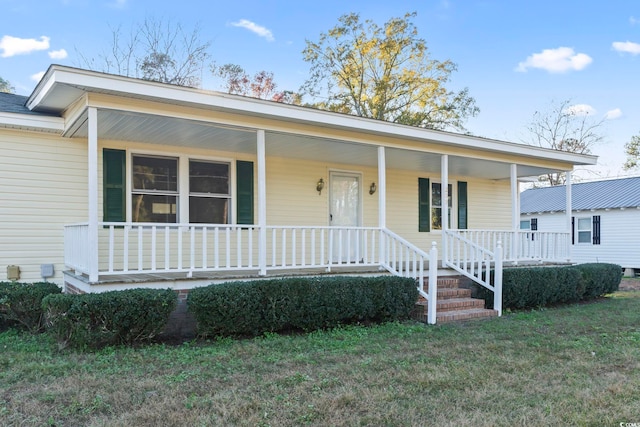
(344, 205)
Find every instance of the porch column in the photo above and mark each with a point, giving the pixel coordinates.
(382, 189)
(382, 204)
(569, 208)
(515, 213)
(262, 202)
(444, 203)
(92, 161)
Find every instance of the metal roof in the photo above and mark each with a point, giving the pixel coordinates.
(607, 194)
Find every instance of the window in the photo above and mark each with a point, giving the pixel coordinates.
(209, 192)
(157, 182)
(430, 205)
(584, 230)
(587, 228)
(154, 196)
(525, 224)
(436, 205)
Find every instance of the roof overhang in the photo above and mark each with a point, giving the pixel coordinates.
(62, 87)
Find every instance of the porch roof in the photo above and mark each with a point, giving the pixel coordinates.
(139, 110)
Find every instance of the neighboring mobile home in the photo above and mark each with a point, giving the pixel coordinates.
(108, 182)
(605, 219)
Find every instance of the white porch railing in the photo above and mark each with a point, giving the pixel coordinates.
(402, 258)
(150, 248)
(475, 262)
(76, 247)
(520, 246)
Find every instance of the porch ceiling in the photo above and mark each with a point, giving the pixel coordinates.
(178, 132)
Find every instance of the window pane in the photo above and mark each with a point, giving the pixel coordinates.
(208, 210)
(154, 208)
(155, 173)
(584, 223)
(584, 237)
(436, 218)
(436, 196)
(525, 225)
(208, 178)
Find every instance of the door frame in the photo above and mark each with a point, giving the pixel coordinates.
(344, 172)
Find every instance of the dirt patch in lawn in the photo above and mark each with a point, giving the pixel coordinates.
(629, 284)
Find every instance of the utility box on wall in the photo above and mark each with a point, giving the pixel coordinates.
(46, 270)
(13, 272)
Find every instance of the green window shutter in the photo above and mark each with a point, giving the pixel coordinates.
(113, 180)
(596, 229)
(424, 205)
(462, 205)
(244, 192)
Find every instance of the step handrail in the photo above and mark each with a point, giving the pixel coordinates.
(475, 262)
(397, 252)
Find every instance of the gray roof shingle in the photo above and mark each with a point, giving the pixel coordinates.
(12, 103)
(608, 194)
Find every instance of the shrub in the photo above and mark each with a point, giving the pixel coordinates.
(530, 287)
(110, 318)
(599, 279)
(21, 304)
(301, 303)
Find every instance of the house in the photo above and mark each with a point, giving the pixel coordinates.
(108, 182)
(604, 220)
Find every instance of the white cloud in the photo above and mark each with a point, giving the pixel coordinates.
(558, 60)
(12, 46)
(616, 113)
(628, 47)
(58, 54)
(580, 110)
(255, 28)
(37, 76)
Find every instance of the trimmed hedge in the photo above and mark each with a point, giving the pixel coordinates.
(530, 287)
(21, 304)
(110, 318)
(301, 303)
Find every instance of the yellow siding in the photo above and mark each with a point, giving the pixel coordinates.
(43, 182)
(44, 186)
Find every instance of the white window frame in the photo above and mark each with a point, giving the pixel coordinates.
(527, 223)
(183, 181)
(453, 213)
(589, 220)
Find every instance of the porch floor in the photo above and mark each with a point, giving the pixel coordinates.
(200, 278)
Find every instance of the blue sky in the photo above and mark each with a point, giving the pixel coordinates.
(515, 57)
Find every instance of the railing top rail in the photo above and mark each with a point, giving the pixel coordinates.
(173, 225)
(77, 224)
(322, 227)
(405, 242)
(454, 234)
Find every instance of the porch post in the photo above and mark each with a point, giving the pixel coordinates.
(515, 212)
(569, 208)
(382, 189)
(382, 204)
(262, 202)
(92, 162)
(444, 203)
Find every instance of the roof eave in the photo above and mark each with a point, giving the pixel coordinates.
(59, 77)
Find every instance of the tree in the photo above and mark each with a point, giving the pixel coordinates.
(6, 86)
(384, 73)
(632, 150)
(262, 85)
(155, 50)
(564, 128)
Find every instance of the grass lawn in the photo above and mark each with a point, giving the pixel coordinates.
(573, 365)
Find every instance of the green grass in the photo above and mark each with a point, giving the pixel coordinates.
(573, 365)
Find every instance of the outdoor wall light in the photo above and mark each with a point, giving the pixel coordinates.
(372, 188)
(320, 186)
